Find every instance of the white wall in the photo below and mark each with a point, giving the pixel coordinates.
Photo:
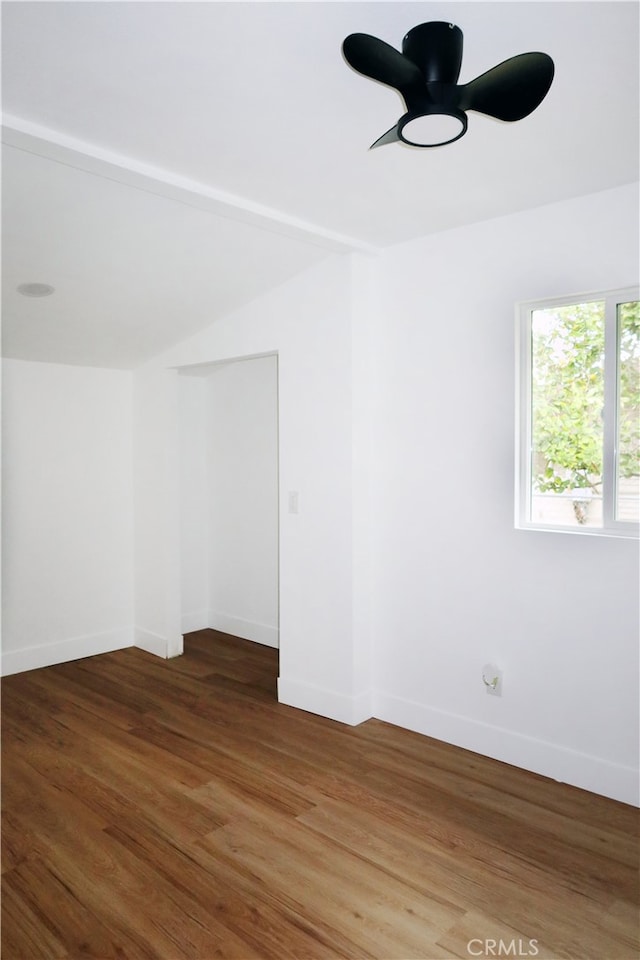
(308, 323)
(194, 500)
(243, 499)
(156, 510)
(455, 585)
(67, 513)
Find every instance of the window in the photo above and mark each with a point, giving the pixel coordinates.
(579, 414)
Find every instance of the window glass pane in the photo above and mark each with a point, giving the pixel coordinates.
(567, 397)
(628, 458)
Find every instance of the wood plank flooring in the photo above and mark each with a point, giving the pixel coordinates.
(173, 809)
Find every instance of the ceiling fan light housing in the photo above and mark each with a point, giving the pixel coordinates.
(432, 127)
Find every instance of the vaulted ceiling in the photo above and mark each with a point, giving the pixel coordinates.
(164, 163)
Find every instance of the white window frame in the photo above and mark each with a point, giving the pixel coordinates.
(523, 486)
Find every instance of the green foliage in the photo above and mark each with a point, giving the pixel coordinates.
(568, 395)
(629, 399)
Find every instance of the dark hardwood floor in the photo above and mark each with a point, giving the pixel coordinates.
(173, 809)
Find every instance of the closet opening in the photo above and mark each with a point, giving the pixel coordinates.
(229, 528)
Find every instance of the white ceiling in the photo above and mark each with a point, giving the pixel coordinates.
(166, 162)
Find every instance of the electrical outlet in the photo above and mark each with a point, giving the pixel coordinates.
(492, 679)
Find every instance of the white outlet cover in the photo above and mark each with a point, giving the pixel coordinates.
(492, 679)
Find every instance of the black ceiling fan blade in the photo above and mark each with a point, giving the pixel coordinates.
(391, 136)
(378, 60)
(512, 90)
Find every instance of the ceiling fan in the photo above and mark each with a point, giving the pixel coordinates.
(426, 76)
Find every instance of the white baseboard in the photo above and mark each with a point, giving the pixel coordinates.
(246, 629)
(194, 621)
(326, 703)
(76, 648)
(151, 642)
(550, 760)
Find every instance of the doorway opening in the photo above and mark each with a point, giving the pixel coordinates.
(229, 529)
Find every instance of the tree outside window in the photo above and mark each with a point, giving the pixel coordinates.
(575, 417)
